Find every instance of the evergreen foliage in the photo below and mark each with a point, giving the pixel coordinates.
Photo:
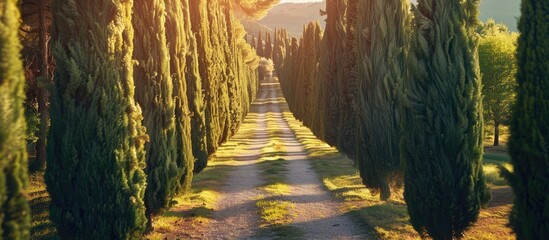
(154, 93)
(381, 51)
(260, 49)
(195, 94)
(14, 209)
(96, 143)
(268, 47)
(179, 43)
(349, 85)
(528, 143)
(227, 69)
(331, 76)
(442, 123)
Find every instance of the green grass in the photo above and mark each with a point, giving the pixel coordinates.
(273, 170)
(39, 200)
(275, 212)
(195, 207)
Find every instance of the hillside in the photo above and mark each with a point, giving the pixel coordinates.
(293, 16)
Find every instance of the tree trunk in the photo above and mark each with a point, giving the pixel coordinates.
(43, 94)
(496, 134)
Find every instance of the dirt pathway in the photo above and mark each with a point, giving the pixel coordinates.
(316, 213)
(236, 214)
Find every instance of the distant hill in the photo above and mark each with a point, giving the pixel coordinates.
(293, 16)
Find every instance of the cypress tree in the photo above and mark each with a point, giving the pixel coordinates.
(260, 50)
(332, 74)
(381, 47)
(14, 209)
(268, 47)
(96, 143)
(200, 23)
(178, 40)
(528, 143)
(349, 86)
(154, 93)
(442, 124)
(194, 89)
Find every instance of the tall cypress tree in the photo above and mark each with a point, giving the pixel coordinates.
(528, 144)
(331, 73)
(349, 86)
(179, 44)
(96, 143)
(200, 26)
(154, 93)
(195, 93)
(268, 47)
(381, 47)
(14, 209)
(442, 124)
(260, 50)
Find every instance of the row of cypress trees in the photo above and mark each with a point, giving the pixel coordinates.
(400, 97)
(144, 94)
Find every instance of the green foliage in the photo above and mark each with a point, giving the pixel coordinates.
(490, 27)
(154, 93)
(442, 123)
(331, 75)
(382, 51)
(350, 88)
(14, 209)
(528, 143)
(96, 144)
(195, 94)
(498, 68)
(260, 49)
(227, 69)
(178, 34)
(268, 47)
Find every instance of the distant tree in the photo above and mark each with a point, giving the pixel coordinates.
(498, 68)
(96, 141)
(442, 122)
(268, 47)
(260, 49)
(490, 27)
(382, 47)
(14, 209)
(254, 42)
(528, 145)
(154, 93)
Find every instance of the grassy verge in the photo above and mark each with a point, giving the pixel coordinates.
(39, 200)
(191, 212)
(390, 220)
